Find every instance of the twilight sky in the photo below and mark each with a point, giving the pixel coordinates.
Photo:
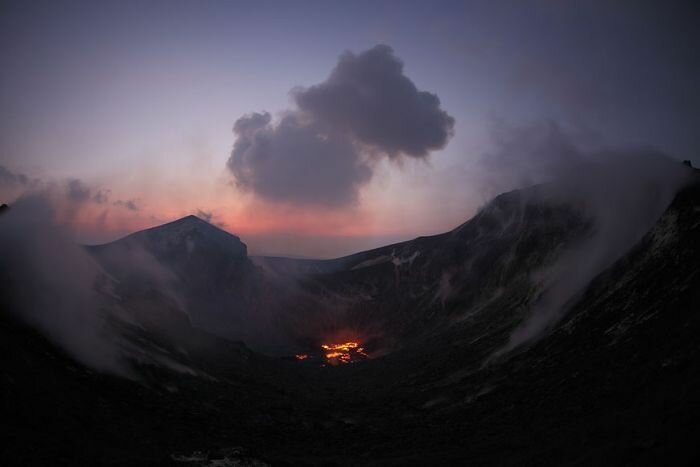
(356, 123)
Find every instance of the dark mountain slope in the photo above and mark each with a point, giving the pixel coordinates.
(178, 396)
(614, 382)
(199, 268)
(402, 292)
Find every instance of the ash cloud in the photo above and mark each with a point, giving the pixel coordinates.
(323, 151)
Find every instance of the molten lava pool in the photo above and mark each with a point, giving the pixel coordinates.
(347, 352)
(335, 354)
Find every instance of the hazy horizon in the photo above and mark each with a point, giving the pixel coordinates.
(125, 111)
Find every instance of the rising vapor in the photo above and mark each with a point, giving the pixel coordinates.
(51, 283)
(620, 192)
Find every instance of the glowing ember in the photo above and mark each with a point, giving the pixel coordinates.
(301, 356)
(347, 352)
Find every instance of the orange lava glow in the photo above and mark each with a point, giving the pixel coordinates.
(347, 352)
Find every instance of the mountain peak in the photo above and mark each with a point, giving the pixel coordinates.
(187, 233)
(190, 222)
(190, 219)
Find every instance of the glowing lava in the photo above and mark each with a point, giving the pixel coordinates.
(347, 352)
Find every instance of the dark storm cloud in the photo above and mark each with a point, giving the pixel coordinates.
(296, 162)
(251, 122)
(323, 152)
(368, 96)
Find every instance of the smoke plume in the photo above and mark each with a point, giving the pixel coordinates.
(50, 282)
(622, 192)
